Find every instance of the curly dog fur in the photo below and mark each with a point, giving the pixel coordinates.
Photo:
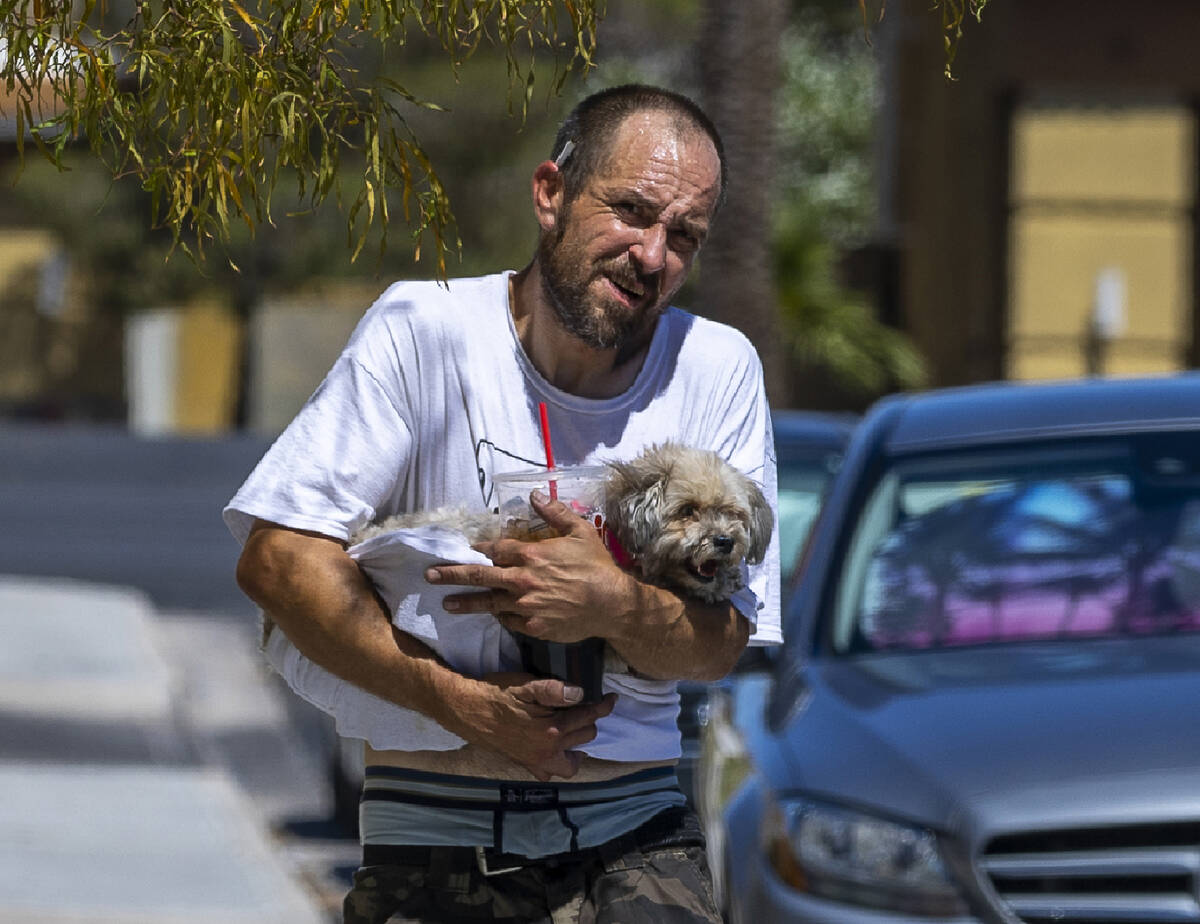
(688, 519)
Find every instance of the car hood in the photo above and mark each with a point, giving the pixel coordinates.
(1024, 736)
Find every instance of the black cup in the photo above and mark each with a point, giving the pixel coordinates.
(578, 663)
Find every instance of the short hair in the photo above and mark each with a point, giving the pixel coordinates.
(591, 125)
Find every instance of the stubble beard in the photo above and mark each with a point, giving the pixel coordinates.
(565, 276)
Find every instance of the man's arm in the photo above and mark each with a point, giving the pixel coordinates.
(569, 588)
(669, 637)
(317, 595)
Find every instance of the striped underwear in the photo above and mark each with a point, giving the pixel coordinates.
(532, 819)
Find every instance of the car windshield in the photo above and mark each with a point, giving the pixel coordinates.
(802, 484)
(970, 549)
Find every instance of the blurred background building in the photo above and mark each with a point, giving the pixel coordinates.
(1037, 214)
(1032, 218)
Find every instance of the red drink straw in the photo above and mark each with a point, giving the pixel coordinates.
(549, 448)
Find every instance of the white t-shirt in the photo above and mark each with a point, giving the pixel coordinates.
(434, 395)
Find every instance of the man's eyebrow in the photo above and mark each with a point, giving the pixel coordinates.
(697, 226)
(639, 197)
(634, 195)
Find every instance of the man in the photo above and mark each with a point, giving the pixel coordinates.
(541, 808)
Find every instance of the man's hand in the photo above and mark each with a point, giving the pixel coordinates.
(563, 589)
(536, 723)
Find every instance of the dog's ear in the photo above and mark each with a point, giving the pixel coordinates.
(762, 521)
(635, 497)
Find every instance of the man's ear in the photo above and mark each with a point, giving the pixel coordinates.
(547, 194)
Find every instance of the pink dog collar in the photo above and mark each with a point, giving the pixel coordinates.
(618, 551)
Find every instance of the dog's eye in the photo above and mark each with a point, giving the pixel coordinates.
(686, 511)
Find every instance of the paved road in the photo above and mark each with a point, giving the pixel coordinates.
(97, 504)
(157, 681)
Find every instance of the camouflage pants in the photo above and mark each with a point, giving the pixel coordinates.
(634, 879)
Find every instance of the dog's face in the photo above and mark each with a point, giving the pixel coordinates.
(688, 519)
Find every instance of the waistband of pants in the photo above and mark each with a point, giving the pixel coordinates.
(438, 790)
(672, 827)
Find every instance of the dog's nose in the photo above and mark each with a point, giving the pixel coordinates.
(723, 544)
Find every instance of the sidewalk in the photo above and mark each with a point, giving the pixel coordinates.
(106, 813)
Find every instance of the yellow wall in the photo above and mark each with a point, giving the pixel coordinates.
(1094, 190)
(22, 364)
(293, 343)
(1126, 154)
(207, 374)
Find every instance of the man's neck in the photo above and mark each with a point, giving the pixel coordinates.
(564, 360)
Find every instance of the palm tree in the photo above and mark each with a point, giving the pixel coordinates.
(739, 64)
(791, 87)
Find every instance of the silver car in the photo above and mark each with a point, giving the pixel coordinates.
(987, 706)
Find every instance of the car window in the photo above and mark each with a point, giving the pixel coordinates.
(954, 552)
(802, 484)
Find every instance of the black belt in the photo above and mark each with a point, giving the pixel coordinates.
(672, 827)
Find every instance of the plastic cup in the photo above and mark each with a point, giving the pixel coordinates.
(582, 489)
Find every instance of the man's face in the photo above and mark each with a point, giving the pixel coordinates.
(625, 244)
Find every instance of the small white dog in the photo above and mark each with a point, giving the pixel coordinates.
(683, 518)
(687, 519)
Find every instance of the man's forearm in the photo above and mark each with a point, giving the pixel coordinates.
(666, 636)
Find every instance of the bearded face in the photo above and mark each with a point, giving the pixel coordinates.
(573, 283)
(616, 252)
